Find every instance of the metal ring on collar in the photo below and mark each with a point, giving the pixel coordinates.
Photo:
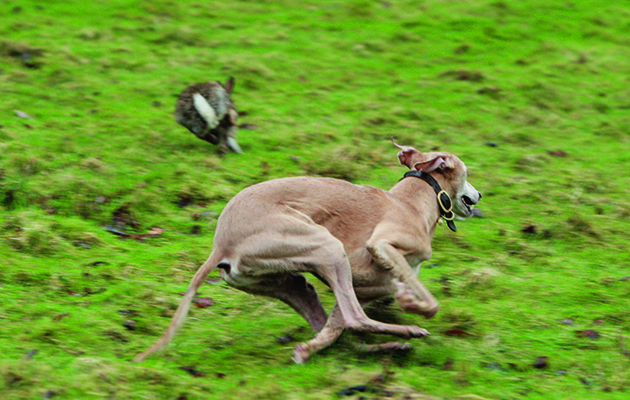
(452, 217)
(439, 197)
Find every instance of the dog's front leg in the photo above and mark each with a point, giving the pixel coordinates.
(411, 294)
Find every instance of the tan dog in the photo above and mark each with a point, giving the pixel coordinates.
(364, 243)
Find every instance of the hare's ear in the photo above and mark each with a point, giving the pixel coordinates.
(229, 85)
(439, 163)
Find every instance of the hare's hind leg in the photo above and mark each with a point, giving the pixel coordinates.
(230, 140)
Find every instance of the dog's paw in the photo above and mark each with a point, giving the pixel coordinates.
(417, 332)
(301, 353)
(407, 300)
(411, 303)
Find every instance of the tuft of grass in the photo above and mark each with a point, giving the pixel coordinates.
(31, 233)
(344, 163)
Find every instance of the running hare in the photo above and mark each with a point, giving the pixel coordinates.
(206, 109)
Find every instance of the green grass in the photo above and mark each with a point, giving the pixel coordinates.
(326, 85)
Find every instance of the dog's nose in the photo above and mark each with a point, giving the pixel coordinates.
(479, 193)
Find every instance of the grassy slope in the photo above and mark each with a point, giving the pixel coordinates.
(326, 84)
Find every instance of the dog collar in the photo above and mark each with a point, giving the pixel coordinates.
(443, 199)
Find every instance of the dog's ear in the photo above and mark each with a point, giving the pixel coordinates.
(439, 163)
(229, 85)
(407, 155)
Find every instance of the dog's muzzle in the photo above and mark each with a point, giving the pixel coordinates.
(470, 203)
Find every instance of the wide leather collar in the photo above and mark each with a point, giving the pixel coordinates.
(443, 199)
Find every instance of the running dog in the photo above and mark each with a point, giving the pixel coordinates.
(363, 242)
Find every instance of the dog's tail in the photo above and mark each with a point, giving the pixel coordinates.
(182, 310)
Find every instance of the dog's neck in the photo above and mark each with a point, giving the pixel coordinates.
(423, 193)
(443, 198)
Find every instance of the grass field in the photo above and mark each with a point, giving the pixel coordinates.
(533, 95)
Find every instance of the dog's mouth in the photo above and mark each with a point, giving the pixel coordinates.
(468, 203)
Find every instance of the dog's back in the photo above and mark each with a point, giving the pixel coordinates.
(332, 203)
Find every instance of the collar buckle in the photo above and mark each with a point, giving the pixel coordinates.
(443, 199)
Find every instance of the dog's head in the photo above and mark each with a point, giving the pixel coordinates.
(447, 169)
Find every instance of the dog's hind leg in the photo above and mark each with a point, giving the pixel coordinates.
(295, 291)
(332, 330)
(302, 297)
(384, 347)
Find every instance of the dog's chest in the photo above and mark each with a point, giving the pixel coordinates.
(414, 261)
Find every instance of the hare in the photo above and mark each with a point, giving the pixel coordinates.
(206, 109)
